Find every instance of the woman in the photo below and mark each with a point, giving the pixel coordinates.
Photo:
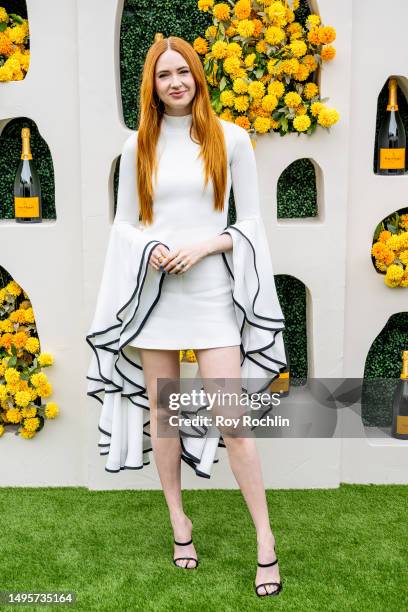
(179, 281)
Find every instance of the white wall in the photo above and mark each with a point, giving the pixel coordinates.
(76, 104)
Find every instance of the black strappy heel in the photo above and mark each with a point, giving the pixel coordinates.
(278, 584)
(182, 558)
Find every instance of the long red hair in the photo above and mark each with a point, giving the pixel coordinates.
(206, 126)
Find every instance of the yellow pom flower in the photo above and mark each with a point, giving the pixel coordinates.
(326, 35)
(28, 315)
(7, 326)
(32, 424)
(276, 88)
(403, 257)
(52, 409)
(294, 30)
(205, 5)
(20, 339)
(38, 379)
(26, 433)
(328, 117)
(3, 392)
(256, 89)
(261, 46)
(277, 13)
(221, 11)
(274, 35)
(328, 53)
(3, 14)
(243, 122)
(13, 415)
(227, 97)
(384, 236)
(227, 115)
(262, 125)
(231, 65)
(269, 102)
(32, 345)
(22, 398)
(31, 411)
(313, 36)
(301, 123)
(403, 221)
(258, 27)
(242, 9)
(393, 243)
(290, 66)
(394, 275)
(241, 103)
(298, 48)
(249, 60)
(230, 31)
(234, 49)
(313, 20)
(6, 46)
(219, 49)
(45, 359)
(310, 62)
(12, 376)
(200, 45)
(310, 91)
(301, 109)
(211, 32)
(13, 288)
(302, 73)
(316, 107)
(18, 33)
(240, 86)
(292, 99)
(245, 28)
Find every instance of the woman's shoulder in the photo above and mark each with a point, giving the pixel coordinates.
(234, 132)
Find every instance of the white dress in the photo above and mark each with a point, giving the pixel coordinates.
(225, 299)
(195, 309)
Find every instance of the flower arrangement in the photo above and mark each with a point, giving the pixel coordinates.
(14, 46)
(22, 384)
(188, 356)
(260, 64)
(390, 250)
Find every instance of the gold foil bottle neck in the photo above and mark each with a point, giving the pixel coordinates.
(404, 372)
(392, 96)
(26, 148)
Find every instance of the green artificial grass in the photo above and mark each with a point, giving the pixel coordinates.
(338, 549)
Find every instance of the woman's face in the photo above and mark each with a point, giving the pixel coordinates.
(172, 76)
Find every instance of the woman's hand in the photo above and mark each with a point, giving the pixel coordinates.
(188, 256)
(157, 256)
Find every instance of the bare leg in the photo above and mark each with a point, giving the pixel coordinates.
(224, 362)
(167, 450)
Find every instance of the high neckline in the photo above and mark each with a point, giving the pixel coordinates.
(177, 122)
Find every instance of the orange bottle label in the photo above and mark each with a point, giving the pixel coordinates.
(27, 207)
(402, 424)
(392, 159)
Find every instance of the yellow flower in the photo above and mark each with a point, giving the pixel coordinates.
(328, 53)
(245, 28)
(45, 359)
(3, 14)
(230, 31)
(227, 115)
(277, 13)
(20, 339)
(274, 35)
(393, 275)
(32, 423)
(276, 88)
(231, 65)
(52, 409)
(22, 398)
(301, 109)
(29, 412)
(227, 97)
(2, 430)
(12, 376)
(326, 35)
(292, 99)
(18, 33)
(200, 45)
(328, 117)
(258, 27)
(302, 73)
(32, 345)
(243, 122)
(219, 49)
(13, 415)
(262, 125)
(38, 379)
(241, 103)
(310, 62)
(240, 86)
(269, 102)
(234, 49)
(13, 288)
(403, 257)
(25, 433)
(313, 20)
(249, 60)
(221, 11)
(313, 36)
(6, 325)
(211, 32)
(261, 46)
(301, 123)
(310, 90)
(384, 236)
(316, 107)
(205, 5)
(256, 89)
(6, 46)
(290, 66)
(242, 9)
(3, 392)
(403, 221)
(298, 48)
(294, 30)
(45, 390)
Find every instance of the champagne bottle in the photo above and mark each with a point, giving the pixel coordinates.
(27, 188)
(392, 137)
(400, 403)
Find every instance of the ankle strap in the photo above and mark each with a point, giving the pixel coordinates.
(267, 564)
(183, 543)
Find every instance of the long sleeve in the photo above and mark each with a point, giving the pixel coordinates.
(256, 302)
